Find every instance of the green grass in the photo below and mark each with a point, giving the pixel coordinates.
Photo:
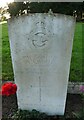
(7, 71)
(76, 61)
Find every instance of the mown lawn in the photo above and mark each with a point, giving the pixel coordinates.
(7, 71)
(76, 61)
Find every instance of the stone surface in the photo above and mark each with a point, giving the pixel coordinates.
(41, 46)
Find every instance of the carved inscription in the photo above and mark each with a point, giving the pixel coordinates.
(39, 39)
(37, 59)
(38, 35)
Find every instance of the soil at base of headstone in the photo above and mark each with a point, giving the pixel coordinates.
(74, 103)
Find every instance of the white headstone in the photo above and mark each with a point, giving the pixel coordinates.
(41, 46)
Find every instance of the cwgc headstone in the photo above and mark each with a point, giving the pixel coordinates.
(41, 46)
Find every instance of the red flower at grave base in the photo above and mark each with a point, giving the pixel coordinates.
(8, 89)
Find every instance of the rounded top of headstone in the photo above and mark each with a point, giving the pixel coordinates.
(50, 14)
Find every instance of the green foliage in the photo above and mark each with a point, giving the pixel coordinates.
(29, 115)
(80, 115)
(3, 11)
(17, 8)
(3, 18)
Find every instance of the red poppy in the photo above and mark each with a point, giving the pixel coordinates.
(8, 89)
